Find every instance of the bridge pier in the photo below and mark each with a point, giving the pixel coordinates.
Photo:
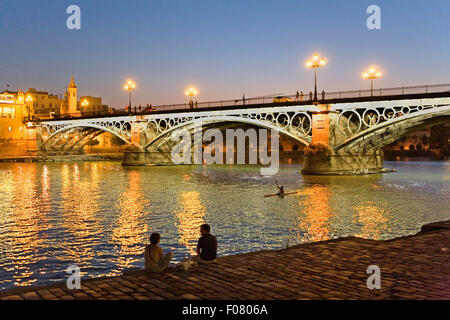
(134, 155)
(336, 164)
(321, 158)
(145, 158)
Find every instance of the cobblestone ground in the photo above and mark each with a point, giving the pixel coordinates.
(414, 267)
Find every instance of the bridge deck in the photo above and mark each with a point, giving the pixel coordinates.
(215, 106)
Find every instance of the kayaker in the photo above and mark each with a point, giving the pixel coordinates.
(280, 190)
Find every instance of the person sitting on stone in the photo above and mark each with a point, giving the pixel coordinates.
(154, 260)
(207, 246)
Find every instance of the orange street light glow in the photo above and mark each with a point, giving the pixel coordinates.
(316, 61)
(130, 85)
(372, 73)
(191, 92)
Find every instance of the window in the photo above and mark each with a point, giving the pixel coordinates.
(7, 112)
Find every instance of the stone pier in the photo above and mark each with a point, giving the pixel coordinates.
(321, 156)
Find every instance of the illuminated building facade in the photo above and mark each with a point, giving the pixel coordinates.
(15, 136)
(89, 105)
(44, 104)
(13, 110)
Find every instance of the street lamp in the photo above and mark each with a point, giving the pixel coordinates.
(28, 99)
(371, 74)
(130, 86)
(191, 92)
(84, 104)
(315, 62)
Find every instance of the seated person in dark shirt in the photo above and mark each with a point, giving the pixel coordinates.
(207, 246)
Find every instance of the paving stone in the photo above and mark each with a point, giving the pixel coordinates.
(30, 296)
(14, 297)
(188, 296)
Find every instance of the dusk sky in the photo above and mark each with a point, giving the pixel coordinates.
(223, 48)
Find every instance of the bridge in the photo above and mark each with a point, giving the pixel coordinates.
(343, 132)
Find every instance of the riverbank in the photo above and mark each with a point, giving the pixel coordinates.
(65, 158)
(412, 267)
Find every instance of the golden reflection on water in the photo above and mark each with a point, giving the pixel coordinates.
(80, 197)
(27, 223)
(317, 211)
(130, 230)
(372, 219)
(189, 219)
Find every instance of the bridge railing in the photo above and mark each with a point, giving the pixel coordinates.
(308, 97)
(301, 98)
(383, 92)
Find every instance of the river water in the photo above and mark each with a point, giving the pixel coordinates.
(99, 215)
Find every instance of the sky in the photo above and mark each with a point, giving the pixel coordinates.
(222, 47)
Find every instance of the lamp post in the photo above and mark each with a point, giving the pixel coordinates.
(130, 86)
(191, 92)
(315, 62)
(371, 74)
(27, 100)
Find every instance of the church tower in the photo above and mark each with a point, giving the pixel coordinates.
(72, 99)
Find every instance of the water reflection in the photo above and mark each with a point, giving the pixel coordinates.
(189, 219)
(316, 214)
(96, 215)
(129, 233)
(80, 196)
(372, 220)
(27, 224)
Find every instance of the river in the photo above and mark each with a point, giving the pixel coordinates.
(99, 215)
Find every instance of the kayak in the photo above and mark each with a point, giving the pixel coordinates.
(281, 196)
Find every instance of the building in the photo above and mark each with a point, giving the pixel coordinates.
(440, 139)
(89, 105)
(15, 109)
(18, 108)
(44, 104)
(434, 142)
(70, 104)
(417, 141)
